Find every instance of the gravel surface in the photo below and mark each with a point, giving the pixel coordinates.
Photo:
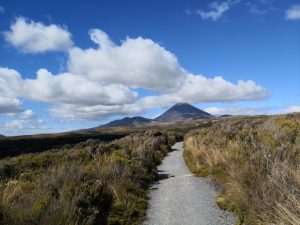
(180, 198)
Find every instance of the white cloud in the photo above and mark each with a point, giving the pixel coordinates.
(217, 9)
(98, 112)
(137, 63)
(27, 114)
(23, 124)
(101, 81)
(15, 124)
(2, 9)
(35, 37)
(11, 87)
(292, 108)
(293, 13)
(198, 88)
(101, 38)
(237, 110)
(67, 88)
(10, 105)
(10, 84)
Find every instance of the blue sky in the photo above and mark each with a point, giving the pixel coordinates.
(71, 64)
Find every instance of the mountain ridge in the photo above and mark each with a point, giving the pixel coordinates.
(128, 121)
(179, 112)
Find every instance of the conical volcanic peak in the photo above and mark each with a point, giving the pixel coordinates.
(182, 112)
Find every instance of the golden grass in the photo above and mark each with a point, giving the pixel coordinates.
(257, 161)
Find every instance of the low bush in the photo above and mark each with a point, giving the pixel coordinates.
(91, 183)
(257, 162)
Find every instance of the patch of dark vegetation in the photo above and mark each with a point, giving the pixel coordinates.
(91, 183)
(12, 146)
(256, 160)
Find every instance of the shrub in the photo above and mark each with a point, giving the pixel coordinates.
(257, 161)
(91, 183)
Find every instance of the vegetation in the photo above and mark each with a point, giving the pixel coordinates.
(12, 146)
(256, 160)
(91, 183)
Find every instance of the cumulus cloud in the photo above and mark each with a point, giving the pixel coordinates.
(237, 110)
(292, 108)
(102, 81)
(10, 84)
(10, 105)
(198, 88)
(35, 37)
(19, 119)
(217, 9)
(96, 112)
(11, 88)
(67, 88)
(137, 62)
(293, 13)
(195, 89)
(24, 122)
(27, 114)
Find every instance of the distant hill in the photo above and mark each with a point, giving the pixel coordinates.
(182, 112)
(128, 121)
(1, 136)
(224, 116)
(178, 113)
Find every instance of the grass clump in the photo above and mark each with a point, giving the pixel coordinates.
(91, 183)
(257, 162)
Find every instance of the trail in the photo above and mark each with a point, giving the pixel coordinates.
(180, 198)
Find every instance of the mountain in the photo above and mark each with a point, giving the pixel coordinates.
(182, 112)
(2, 136)
(128, 121)
(178, 113)
(225, 115)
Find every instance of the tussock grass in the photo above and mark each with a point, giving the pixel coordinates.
(257, 161)
(91, 183)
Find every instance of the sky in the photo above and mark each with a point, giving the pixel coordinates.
(68, 65)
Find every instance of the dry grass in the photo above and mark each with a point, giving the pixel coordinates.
(257, 160)
(91, 183)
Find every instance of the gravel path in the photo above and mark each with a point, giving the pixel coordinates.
(180, 198)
